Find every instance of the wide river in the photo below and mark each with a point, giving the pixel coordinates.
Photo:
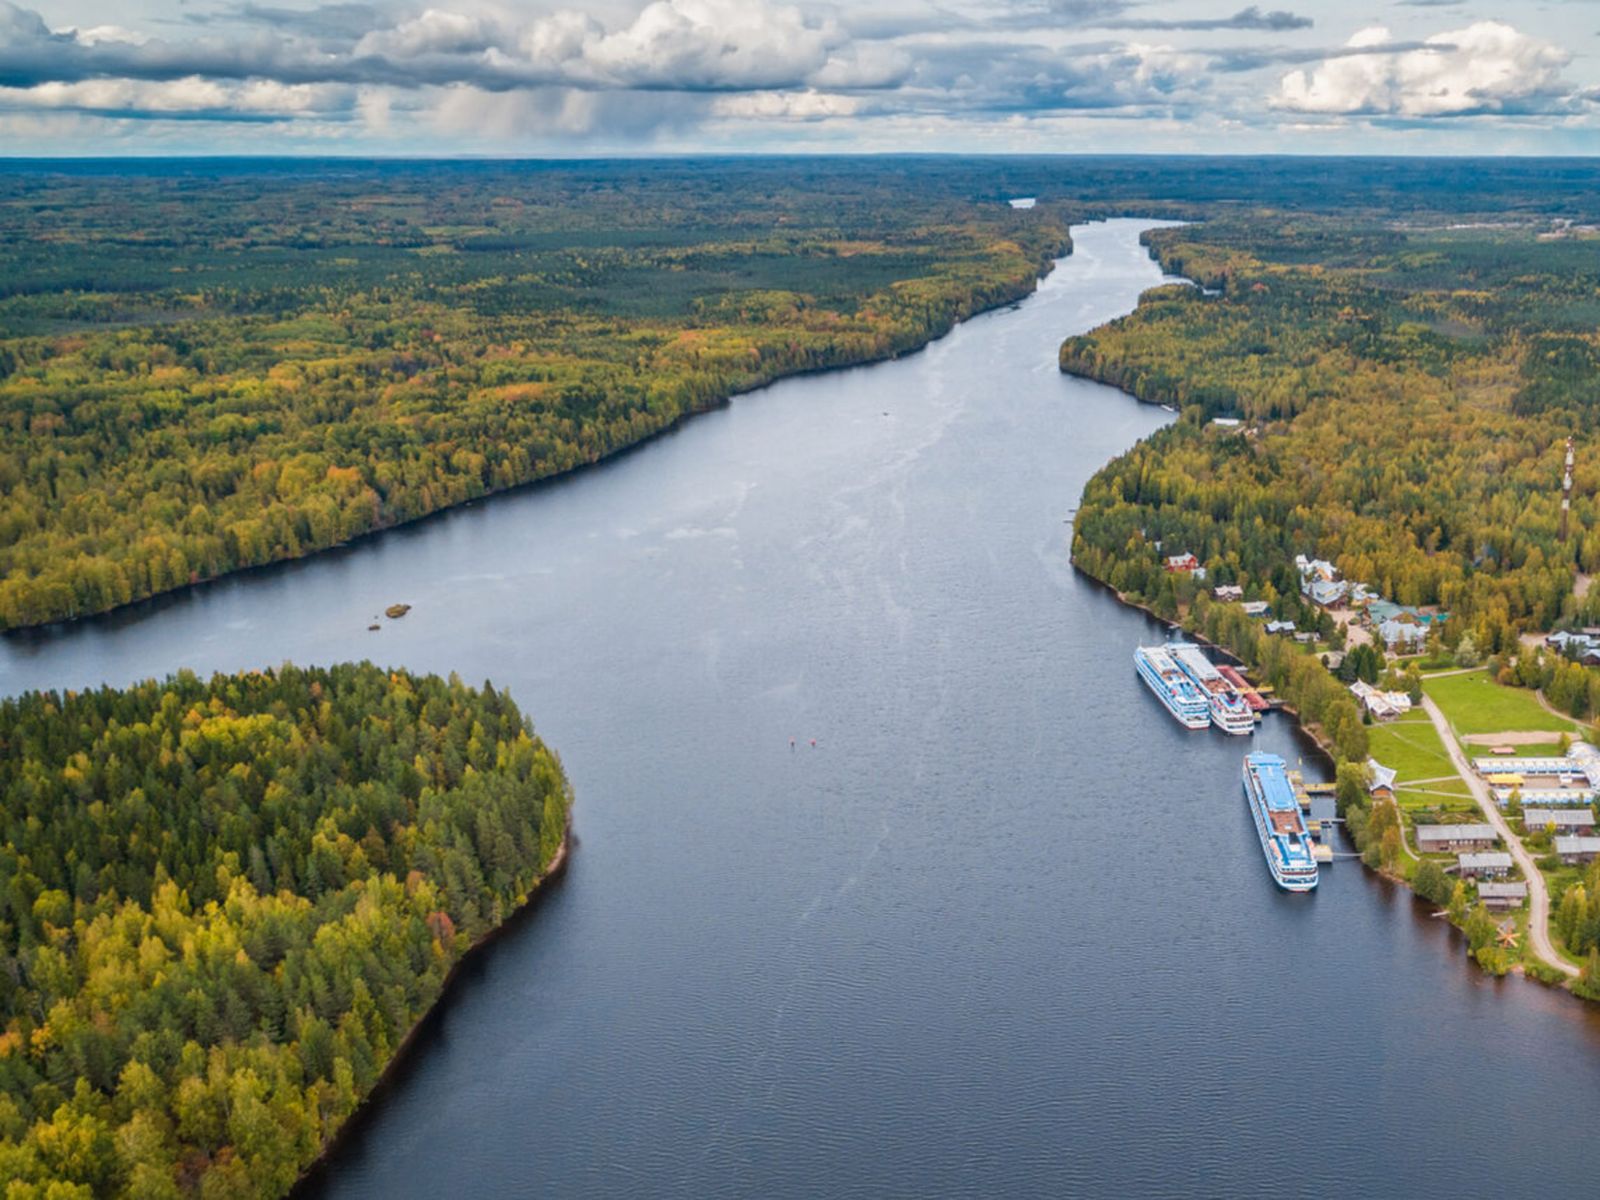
(1004, 930)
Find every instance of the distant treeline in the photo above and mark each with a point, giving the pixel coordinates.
(225, 902)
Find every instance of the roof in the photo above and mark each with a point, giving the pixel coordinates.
(1513, 889)
(1485, 860)
(1456, 833)
(1382, 776)
(1398, 630)
(1572, 818)
(1578, 844)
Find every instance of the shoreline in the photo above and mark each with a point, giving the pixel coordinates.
(400, 1060)
(132, 608)
(1314, 735)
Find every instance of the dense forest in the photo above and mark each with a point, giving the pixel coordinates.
(204, 374)
(224, 903)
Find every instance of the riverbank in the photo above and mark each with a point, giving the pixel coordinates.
(394, 1071)
(1544, 966)
(384, 474)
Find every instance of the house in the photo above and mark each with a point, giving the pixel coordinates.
(1435, 839)
(1503, 895)
(1256, 608)
(1573, 644)
(1182, 564)
(1567, 820)
(1380, 779)
(1382, 705)
(1280, 626)
(1227, 422)
(1327, 592)
(1361, 595)
(1305, 637)
(1403, 633)
(1319, 581)
(1577, 849)
(1227, 592)
(1484, 864)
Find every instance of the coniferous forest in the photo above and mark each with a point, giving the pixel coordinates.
(225, 902)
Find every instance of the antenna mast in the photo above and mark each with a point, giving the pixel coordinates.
(1566, 492)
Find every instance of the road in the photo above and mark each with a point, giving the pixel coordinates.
(1538, 894)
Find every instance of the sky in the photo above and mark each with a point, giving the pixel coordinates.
(485, 77)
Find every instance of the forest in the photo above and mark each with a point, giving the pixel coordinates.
(225, 902)
(1404, 395)
(207, 365)
(202, 374)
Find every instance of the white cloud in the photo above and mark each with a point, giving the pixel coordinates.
(785, 106)
(181, 97)
(1488, 67)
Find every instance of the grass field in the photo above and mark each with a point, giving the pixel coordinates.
(1452, 797)
(1476, 704)
(1412, 747)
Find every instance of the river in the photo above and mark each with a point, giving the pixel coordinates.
(1004, 930)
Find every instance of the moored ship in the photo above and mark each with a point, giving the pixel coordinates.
(1279, 823)
(1228, 709)
(1172, 687)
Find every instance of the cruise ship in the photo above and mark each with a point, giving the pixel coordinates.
(1229, 712)
(1171, 686)
(1279, 825)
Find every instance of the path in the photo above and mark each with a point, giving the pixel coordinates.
(1553, 710)
(1538, 894)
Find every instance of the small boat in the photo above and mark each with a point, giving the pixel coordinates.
(1279, 824)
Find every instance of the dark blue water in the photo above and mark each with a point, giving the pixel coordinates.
(1006, 930)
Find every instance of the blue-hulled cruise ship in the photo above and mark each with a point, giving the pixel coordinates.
(1279, 824)
(1171, 686)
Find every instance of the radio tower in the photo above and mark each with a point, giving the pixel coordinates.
(1566, 492)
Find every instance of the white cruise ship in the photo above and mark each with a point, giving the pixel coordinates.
(1172, 687)
(1279, 824)
(1229, 712)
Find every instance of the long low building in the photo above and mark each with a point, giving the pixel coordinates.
(1503, 895)
(1578, 849)
(1438, 838)
(1565, 820)
(1582, 796)
(1580, 762)
(1484, 864)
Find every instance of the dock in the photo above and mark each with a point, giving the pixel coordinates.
(1316, 799)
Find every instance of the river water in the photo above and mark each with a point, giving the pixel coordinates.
(1005, 929)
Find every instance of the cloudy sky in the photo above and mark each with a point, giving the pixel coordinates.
(665, 76)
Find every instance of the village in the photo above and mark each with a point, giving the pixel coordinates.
(1493, 790)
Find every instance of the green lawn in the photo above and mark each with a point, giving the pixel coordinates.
(1476, 704)
(1412, 747)
(1450, 797)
